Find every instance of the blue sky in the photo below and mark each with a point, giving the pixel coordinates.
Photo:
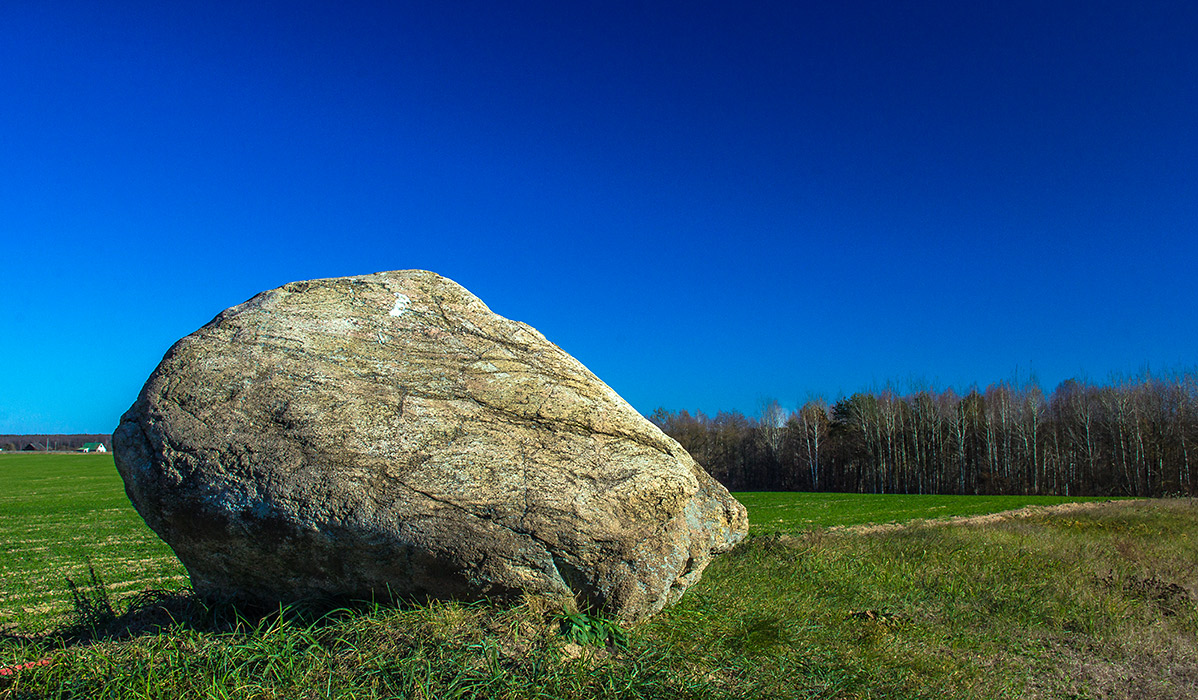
(707, 203)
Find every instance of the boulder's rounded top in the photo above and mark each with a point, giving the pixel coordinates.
(420, 331)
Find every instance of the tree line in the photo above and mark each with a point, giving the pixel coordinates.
(1131, 437)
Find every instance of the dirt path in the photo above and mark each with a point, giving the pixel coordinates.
(988, 518)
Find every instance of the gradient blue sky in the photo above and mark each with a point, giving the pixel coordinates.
(707, 203)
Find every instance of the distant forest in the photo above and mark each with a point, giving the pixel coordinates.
(1134, 436)
(1131, 437)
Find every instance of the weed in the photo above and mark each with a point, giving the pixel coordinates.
(92, 603)
(588, 630)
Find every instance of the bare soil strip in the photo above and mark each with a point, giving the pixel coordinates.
(987, 519)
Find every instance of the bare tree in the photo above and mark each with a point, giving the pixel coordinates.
(813, 420)
(772, 424)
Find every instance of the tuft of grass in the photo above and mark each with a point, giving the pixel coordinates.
(588, 630)
(93, 604)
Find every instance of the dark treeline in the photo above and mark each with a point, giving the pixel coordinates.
(1133, 437)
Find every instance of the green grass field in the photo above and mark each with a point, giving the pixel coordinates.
(58, 512)
(1091, 603)
(795, 512)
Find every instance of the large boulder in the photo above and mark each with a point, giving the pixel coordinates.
(389, 436)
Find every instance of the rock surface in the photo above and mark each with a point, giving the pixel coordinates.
(388, 435)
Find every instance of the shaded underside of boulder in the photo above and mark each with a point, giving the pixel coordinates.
(388, 436)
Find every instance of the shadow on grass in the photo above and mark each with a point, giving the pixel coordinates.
(96, 617)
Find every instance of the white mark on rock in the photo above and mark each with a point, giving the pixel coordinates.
(401, 304)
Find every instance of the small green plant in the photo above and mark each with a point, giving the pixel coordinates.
(589, 630)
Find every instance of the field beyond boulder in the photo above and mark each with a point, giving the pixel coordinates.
(388, 436)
